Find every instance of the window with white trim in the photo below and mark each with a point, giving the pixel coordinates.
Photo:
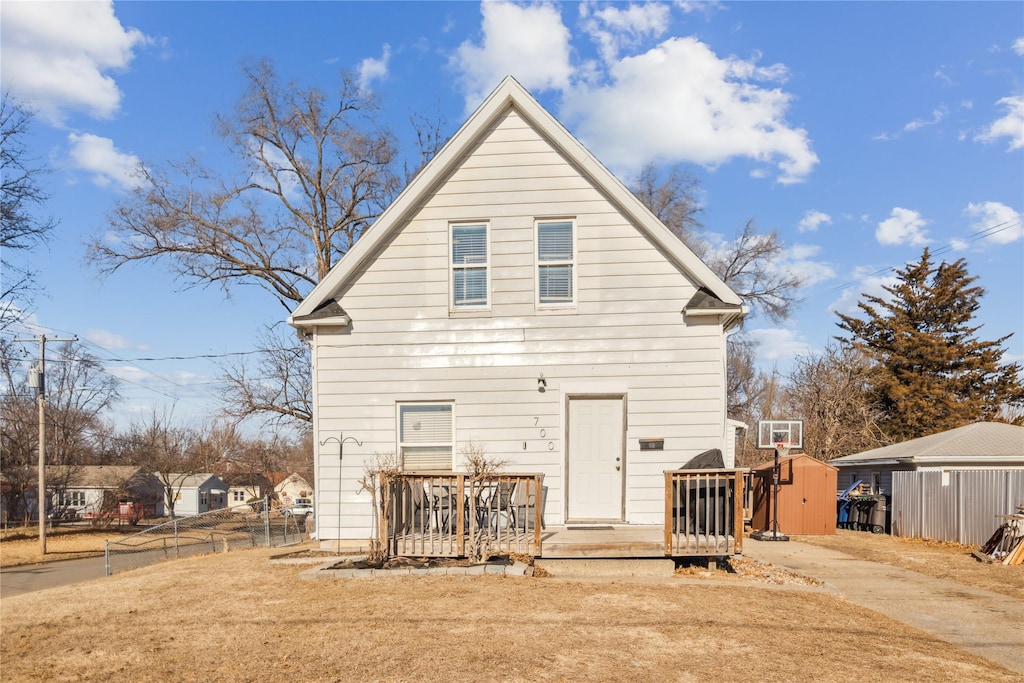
(426, 436)
(469, 266)
(556, 263)
(73, 499)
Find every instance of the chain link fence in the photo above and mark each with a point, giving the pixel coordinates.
(211, 532)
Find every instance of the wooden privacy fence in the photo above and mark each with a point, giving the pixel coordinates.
(703, 512)
(457, 515)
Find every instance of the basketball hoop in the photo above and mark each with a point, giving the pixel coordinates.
(779, 436)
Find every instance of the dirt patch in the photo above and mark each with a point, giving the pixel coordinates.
(269, 624)
(745, 569)
(403, 563)
(941, 559)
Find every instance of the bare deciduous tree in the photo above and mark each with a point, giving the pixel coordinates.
(278, 385)
(830, 391)
(313, 170)
(21, 197)
(749, 263)
(168, 451)
(78, 392)
(673, 200)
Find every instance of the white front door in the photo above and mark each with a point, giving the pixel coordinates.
(596, 459)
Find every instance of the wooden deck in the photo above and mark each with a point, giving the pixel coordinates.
(624, 541)
(450, 514)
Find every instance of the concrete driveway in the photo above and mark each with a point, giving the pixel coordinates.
(33, 577)
(988, 624)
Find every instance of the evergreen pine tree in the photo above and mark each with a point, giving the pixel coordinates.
(931, 372)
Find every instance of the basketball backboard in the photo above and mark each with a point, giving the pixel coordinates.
(781, 434)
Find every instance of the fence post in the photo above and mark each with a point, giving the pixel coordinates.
(266, 520)
(176, 555)
(106, 558)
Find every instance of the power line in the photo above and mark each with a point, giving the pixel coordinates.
(973, 237)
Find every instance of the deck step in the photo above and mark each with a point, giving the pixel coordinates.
(572, 568)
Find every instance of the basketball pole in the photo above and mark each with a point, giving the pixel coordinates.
(774, 534)
(775, 494)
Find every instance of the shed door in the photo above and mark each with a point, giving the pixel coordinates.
(596, 459)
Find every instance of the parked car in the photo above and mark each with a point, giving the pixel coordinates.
(300, 508)
(62, 514)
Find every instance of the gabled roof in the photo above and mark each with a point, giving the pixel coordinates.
(99, 476)
(293, 478)
(315, 309)
(785, 460)
(981, 441)
(193, 481)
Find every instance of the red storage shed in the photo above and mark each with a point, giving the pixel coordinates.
(807, 496)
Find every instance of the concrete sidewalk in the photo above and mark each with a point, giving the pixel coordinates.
(26, 578)
(988, 624)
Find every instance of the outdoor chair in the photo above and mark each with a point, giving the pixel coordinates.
(499, 511)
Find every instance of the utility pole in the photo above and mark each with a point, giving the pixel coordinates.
(39, 382)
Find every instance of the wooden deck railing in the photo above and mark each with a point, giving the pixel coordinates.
(454, 515)
(703, 512)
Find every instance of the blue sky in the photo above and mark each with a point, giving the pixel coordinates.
(861, 132)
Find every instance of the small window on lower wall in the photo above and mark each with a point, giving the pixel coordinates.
(425, 436)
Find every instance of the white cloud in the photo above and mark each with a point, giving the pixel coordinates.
(940, 74)
(1018, 47)
(775, 344)
(1003, 222)
(56, 56)
(675, 102)
(680, 102)
(812, 220)
(938, 114)
(371, 69)
(1010, 126)
(111, 341)
(107, 165)
(903, 226)
(614, 29)
(529, 42)
(799, 260)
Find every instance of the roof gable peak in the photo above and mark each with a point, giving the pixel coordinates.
(509, 94)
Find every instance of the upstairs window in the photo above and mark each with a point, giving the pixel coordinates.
(469, 266)
(555, 263)
(425, 436)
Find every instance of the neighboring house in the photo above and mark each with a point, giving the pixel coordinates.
(91, 491)
(195, 494)
(517, 297)
(243, 488)
(291, 487)
(948, 486)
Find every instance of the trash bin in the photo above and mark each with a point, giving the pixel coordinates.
(843, 513)
(878, 522)
(863, 509)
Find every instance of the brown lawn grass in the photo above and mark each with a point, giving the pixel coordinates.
(20, 545)
(237, 617)
(940, 559)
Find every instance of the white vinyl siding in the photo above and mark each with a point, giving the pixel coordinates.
(626, 335)
(556, 249)
(425, 436)
(470, 277)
